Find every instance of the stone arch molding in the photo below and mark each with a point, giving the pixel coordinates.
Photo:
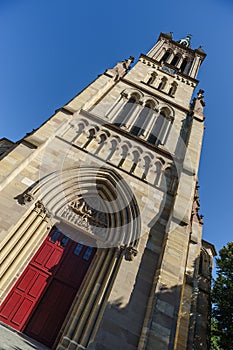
(91, 205)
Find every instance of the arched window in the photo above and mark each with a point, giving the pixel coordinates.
(162, 84)
(142, 120)
(159, 129)
(172, 89)
(204, 263)
(200, 267)
(175, 60)
(183, 65)
(126, 111)
(152, 78)
(165, 56)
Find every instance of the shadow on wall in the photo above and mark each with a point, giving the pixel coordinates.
(121, 326)
(122, 323)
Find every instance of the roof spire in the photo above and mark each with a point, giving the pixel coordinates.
(185, 41)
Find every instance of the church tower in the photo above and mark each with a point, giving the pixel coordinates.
(100, 231)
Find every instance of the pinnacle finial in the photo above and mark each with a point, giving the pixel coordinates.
(131, 58)
(200, 49)
(200, 94)
(186, 41)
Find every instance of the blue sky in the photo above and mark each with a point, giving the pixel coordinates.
(50, 50)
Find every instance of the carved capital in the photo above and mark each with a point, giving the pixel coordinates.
(25, 198)
(130, 253)
(40, 206)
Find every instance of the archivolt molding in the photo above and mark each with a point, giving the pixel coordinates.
(154, 103)
(140, 97)
(168, 110)
(96, 202)
(130, 92)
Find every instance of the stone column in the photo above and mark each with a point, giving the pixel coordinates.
(86, 314)
(156, 52)
(21, 245)
(195, 66)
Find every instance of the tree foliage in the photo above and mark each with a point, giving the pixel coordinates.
(222, 298)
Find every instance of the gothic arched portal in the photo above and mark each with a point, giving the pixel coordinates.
(92, 208)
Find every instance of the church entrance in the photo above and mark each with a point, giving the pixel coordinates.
(41, 298)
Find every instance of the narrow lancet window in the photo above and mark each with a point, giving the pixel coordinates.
(142, 121)
(152, 79)
(175, 60)
(172, 89)
(183, 65)
(126, 112)
(159, 130)
(165, 56)
(162, 84)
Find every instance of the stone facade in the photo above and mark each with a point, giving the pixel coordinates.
(131, 142)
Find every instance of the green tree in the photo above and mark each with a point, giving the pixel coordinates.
(222, 298)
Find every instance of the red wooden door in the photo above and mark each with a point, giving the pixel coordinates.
(41, 298)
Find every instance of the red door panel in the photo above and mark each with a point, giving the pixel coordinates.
(43, 255)
(22, 312)
(18, 305)
(38, 285)
(28, 279)
(48, 255)
(10, 306)
(42, 297)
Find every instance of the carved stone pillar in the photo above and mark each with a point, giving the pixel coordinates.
(87, 312)
(22, 243)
